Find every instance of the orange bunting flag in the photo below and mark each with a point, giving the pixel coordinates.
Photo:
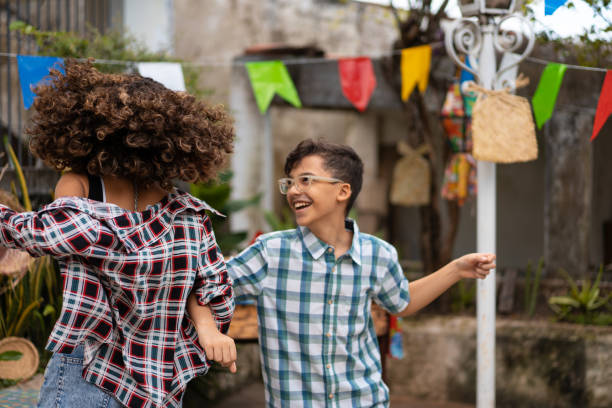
(358, 80)
(415, 66)
(604, 106)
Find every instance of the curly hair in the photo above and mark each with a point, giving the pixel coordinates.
(128, 126)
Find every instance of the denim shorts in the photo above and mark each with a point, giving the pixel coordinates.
(65, 387)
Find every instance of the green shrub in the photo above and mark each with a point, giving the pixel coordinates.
(585, 305)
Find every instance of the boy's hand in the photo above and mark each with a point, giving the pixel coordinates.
(475, 266)
(219, 347)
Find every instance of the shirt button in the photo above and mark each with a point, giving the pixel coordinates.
(334, 269)
(330, 250)
(328, 366)
(328, 334)
(330, 301)
(331, 396)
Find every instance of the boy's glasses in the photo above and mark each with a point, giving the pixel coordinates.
(302, 183)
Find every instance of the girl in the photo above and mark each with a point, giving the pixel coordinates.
(130, 247)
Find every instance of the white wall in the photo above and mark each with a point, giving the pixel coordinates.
(151, 22)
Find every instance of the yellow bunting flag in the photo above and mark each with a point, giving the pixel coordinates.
(415, 69)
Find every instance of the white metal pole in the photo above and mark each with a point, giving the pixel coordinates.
(485, 242)
(472, 36)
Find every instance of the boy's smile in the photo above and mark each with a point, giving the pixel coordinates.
(320, 202)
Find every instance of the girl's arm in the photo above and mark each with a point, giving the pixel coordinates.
(218, 347)
(211, 302)
(54, 231)
(423, 291)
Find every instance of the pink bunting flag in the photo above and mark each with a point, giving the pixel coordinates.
(357, 80)
(604, 106)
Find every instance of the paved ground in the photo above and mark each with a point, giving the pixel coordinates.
(253, 397)
(24, 396)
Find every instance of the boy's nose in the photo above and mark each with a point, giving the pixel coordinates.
(297, 188)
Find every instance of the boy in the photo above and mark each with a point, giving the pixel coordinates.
(314, 286)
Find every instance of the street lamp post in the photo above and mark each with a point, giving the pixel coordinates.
(478, 36)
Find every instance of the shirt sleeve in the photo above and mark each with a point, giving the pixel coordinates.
(248, 271)
(57, 232)
(392, 286)
(212, 285)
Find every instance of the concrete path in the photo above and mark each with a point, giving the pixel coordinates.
(253, 397)
(24, 395)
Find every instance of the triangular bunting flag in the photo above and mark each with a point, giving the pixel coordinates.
(32, 70)
(415, 69)
(550, 6)
(169, 74)
(357, 79)
(268, 78)
(604, 106)
(545, 96)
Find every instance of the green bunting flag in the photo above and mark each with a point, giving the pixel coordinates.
(268, 78)
(545, 96)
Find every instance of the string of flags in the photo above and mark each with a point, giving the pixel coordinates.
(356, 77)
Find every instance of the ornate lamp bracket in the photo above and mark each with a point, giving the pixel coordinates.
(512, 39)
(465, 36)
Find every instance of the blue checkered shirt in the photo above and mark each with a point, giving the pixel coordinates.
(316, 335)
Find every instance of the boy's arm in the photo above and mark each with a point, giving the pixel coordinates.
(218, 347)
(248, 271)
(423, 291)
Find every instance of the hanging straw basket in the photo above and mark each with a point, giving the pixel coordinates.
(23, 368)
(502, 126)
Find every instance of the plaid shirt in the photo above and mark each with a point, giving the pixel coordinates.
(316, 335)
(127, 276)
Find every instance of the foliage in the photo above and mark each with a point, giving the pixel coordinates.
(113, 47)
(532, 284)
(14, 163)
(279, 223)
(30, 303)
(463, 296)
(585, 305)
(11, 355)
(217, 195)
(589, 47)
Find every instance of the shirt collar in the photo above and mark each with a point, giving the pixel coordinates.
(136, 229)
(317, 247)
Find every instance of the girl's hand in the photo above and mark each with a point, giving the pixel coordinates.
(218, 347)
(475, 266)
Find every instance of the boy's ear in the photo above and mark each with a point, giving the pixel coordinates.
(345, 193)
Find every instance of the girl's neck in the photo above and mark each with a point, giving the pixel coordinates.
(121, 191)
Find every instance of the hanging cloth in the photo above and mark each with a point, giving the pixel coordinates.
(460, 174)
(411, 177)
(460, 178)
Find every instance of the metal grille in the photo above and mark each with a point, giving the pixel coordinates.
(46, 15)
